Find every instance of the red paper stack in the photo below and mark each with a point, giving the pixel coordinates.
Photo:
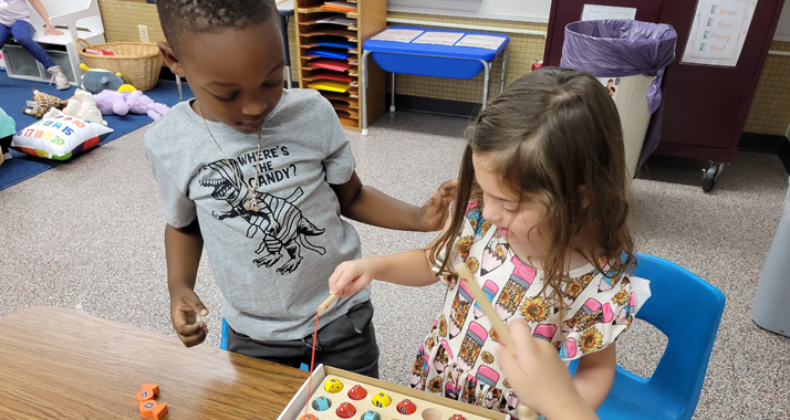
(330, 64)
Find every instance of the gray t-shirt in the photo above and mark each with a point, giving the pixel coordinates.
(12, 11)
(272, 265)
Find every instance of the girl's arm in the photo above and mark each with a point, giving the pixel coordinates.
(410, 268)
(595, 375)
(536, 361)
(48, 28)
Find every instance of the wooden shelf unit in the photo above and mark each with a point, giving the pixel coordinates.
(371, 19)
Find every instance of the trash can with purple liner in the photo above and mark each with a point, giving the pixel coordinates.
(629, 58)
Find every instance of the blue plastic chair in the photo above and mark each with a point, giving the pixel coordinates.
(223, 340)
(687, 310)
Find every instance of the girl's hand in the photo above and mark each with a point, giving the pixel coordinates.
(434, 212)
(49, 29)
(537, 362)
(351, 277)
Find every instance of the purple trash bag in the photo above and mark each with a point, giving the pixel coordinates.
(622, 48)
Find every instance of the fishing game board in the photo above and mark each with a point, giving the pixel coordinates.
(339, 395)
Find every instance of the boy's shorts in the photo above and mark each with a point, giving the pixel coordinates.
(349, 343)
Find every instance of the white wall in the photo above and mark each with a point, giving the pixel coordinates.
(518, 10)
(783, 29)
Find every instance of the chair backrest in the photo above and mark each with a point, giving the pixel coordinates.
(687, 310)
(55, 8)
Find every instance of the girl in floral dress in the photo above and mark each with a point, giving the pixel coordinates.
(542, 227)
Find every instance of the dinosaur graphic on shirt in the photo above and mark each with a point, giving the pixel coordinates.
(281, 223)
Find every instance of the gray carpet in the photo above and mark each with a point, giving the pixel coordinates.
(88, 235)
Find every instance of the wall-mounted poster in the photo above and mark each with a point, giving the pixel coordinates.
(597, 12)
(719, 31)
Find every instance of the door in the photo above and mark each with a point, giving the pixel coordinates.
(706, 106)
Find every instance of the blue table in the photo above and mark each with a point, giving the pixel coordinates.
(455, 62)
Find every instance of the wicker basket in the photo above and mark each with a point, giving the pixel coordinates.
(138, 63)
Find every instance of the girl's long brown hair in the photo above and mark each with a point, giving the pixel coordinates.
(553, 136)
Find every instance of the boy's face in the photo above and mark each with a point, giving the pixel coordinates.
(237, 76)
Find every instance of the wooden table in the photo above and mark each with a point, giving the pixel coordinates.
(61, 364)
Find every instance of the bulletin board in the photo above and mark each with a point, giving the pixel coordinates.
(513, 10)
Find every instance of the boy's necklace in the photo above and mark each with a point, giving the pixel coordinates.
(251, 204)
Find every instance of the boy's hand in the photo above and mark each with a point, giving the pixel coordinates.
(434, 212)
(351, 277)
(537, 362)
(184, 305)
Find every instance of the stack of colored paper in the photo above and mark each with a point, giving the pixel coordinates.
(331, 75)
(328, 53)
(339, 6)
(329, 64)
(337, 20)
(331, 86)
(342, 43)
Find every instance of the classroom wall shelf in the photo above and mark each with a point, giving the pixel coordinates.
(330, 45)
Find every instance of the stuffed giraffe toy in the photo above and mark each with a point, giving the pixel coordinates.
(42, 103)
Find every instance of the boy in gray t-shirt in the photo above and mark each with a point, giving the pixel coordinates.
(260, 177)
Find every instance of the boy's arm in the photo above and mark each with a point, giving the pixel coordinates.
(368, 205)
(183, 247)
(595, 375)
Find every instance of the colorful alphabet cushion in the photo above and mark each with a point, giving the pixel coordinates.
(59, 138)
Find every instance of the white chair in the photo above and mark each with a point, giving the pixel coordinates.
(77, 19)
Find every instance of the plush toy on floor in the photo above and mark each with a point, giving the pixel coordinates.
(42, 103)
(81, 106)
(141, 104)
(111, 103)
(97, 80)
(115, 103)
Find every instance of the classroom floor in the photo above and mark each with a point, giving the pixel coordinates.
(88, 235)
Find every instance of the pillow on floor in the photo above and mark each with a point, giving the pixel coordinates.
(59, 138)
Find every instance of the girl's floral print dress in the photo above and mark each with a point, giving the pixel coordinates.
(457, 359)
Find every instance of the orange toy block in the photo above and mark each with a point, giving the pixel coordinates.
(152, 410)
(148, 392)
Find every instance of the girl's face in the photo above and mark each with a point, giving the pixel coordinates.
(515, 221)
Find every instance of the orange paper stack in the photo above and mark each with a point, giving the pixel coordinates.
(339, 6)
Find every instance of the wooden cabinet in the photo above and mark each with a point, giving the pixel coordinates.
(312, 32)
